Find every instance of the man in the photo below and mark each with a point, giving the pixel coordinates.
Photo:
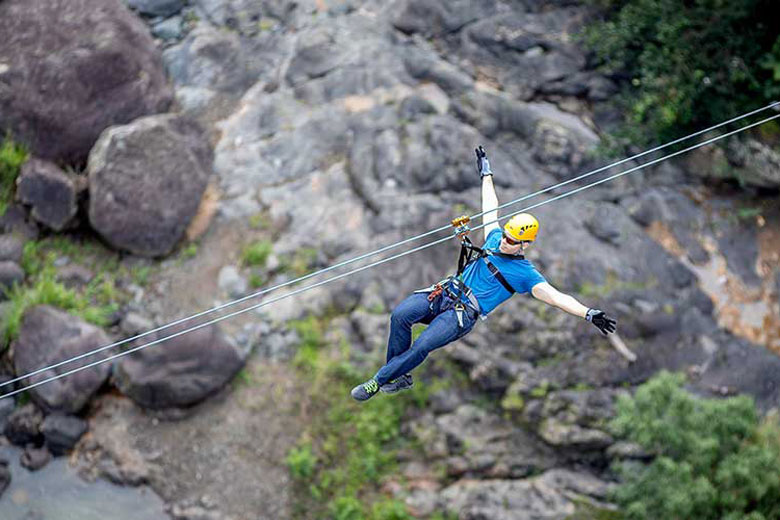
(450, 309)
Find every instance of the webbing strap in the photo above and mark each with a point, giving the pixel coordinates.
(500, 277)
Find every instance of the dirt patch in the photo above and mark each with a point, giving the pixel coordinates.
(228, 452)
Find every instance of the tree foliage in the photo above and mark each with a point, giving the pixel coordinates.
(687, 64)
(714, 458)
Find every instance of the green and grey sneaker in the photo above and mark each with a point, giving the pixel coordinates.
(365, 391)
(396, 385)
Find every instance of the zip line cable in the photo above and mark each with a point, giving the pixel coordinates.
(378, 251)
(385, 260)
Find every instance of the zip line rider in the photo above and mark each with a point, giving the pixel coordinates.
(486, 278)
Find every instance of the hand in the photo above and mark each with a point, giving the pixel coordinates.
(602, 322)
(483, 166)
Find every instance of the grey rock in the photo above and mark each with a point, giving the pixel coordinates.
(7, 406)
(601, 223)
(506, 500)
(757, 164)
(581, 483)
(23, 426)
(628, 450)
(315, 55)
(156, 7)
(62, 432)
(79, 67)
(11, 247)
(10, 274)
(231, 282)
(146, 180)
(134, 323)
(560, 434)
(74, 275)
(183, 371)
(52, 193)
(210, 59)
(425, 67)
(17, 221)
(438, 17)
(48, 335)
(35, 458)
(169, 29)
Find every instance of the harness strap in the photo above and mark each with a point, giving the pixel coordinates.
(498, 276)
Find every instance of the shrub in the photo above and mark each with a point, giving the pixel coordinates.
(686, 64)
(714, 459)
(257, 253)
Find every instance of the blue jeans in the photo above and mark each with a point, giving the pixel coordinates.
(443, 328)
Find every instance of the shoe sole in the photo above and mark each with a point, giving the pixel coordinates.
(401, 389)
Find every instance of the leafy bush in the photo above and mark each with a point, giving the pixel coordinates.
(714, 459)
(686, 64)
(12, 156)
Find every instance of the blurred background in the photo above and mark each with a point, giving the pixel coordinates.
(159, 158)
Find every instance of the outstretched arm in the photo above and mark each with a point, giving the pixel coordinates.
(552, 296)
(489, 197)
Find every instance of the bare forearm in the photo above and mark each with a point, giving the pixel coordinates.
(551, 296)
(570, 304)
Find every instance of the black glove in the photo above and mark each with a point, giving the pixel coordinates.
(483, 166)
(602, 322)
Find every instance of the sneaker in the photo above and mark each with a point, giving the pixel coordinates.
(365, 391)
(396, 385)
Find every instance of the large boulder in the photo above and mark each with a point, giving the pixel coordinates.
(146, 180)
(181, 371)
(48, 335)
(71, 68)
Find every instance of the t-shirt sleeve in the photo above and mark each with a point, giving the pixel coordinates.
(493, 239)
(530, 278)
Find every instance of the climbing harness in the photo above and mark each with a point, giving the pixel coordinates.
(41, 370)
(453, 286)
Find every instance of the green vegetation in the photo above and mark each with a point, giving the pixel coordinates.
(12, 156)
(347, 450)
(190, 251)
(94, 305)
(95, 302)
(301, 262)
(715, 459)
(687, 64)
(257, 253)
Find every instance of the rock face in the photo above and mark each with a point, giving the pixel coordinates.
(181, 371)
(550, 496)
(146, 180)
(52, 193)
(48, 335)
(71, 68)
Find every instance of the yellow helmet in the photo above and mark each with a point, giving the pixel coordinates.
(522, 227)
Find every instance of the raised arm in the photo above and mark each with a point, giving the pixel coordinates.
(489, 197)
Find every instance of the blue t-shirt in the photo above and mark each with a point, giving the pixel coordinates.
(521, 275)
